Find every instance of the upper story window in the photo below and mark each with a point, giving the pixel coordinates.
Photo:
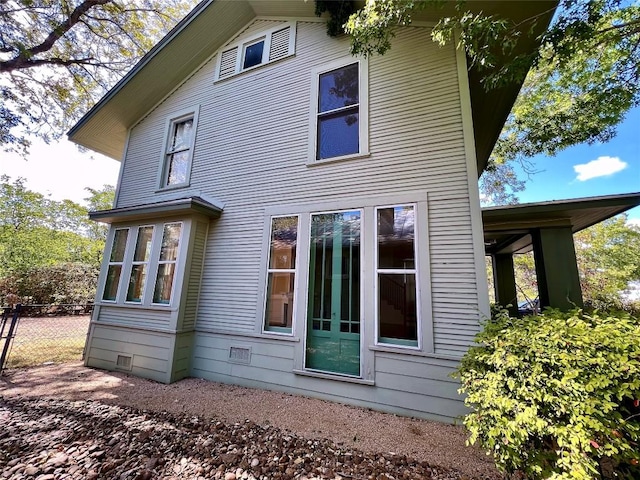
(339, 121)
(178, 152)
(253, 54)
(263, 48)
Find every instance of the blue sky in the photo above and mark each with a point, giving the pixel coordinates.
(591, 170)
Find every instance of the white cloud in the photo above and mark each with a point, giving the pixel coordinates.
(634, 222)
(600, 167)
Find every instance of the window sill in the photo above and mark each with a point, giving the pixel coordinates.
(169, 188)
(353, 156)
(252, 69)
(336, 376)
(410, 351)
(260, 336)
(137, 306)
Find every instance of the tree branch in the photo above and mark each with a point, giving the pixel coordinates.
(24, 59)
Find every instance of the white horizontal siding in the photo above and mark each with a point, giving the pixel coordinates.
(150, 352)
(135, 317)
(195, 274)
(405, 385)
(251, 153)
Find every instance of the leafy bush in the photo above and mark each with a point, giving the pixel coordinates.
(556, 395)
(64, 283)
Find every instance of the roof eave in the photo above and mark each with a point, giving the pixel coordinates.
(182, 207)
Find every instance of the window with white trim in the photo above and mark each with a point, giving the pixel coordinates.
(116, 261)
(149, 261)
(263, 48)
(396, 274)
(140, 264)
(339, 111)
(281, 274)
(167, 263)
(178, 151)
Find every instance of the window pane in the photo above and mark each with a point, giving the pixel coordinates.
(334, 271)
(178, 165)
(112, 282)
(397, 307)
(338, 134)
(182, 135)
(284, 232)
(338, 88)
(143, 245)
(279, 309)
(253, 55)
(164, 282)
(170, 242)
(119, 245)
(136, 283)
(396, 237)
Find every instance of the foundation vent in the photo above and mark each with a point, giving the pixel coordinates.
(240, 354)
(123, 362)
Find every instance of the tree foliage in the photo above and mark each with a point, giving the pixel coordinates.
(608, 259)
(608, 256)
(36, 231)
(585, 76)
(57, 58)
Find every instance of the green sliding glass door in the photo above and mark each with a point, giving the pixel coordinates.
(333, 316)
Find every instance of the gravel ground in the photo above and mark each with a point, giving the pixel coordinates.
(68, 421)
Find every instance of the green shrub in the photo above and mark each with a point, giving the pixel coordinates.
(556, 395)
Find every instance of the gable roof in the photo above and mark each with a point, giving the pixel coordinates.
(209, 26)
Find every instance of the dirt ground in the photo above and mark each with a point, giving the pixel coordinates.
(370, 431)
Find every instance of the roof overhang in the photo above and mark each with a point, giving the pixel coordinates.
(507, 228)
(209, 26)
(150, 211)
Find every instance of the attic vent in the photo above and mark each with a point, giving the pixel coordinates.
(240, 354)
(228, 63)
(123, 362)
(279, 44)
(261, 49)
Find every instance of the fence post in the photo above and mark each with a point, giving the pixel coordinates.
(9, 337)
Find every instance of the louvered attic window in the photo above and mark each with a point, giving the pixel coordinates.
(262, 49)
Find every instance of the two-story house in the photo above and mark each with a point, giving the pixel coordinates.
(294, 218)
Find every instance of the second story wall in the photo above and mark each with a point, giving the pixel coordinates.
(251, 152)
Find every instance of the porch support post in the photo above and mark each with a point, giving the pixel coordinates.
(504, 281)
(556, 268)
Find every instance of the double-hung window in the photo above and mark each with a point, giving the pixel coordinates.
(116, 260)
(339, 111)
(178, 151)
(281, 274)
(167, 263)
(140, 264)
(397, 302)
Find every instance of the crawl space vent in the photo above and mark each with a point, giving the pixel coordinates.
(240, 354)
(123, 362)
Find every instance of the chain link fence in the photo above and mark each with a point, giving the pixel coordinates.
(54, 337)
